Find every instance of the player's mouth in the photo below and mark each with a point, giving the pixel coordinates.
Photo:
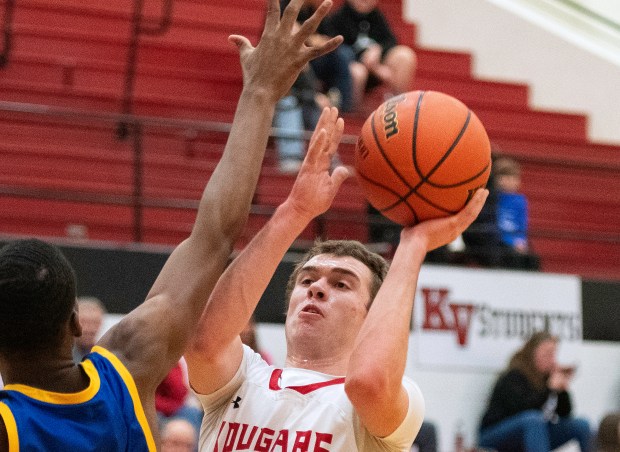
(312, 310)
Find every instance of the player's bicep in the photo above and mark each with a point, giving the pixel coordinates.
(141, 341)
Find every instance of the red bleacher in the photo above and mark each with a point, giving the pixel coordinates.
(73, 54)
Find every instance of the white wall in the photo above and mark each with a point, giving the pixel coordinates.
(569, 63)
(453, 394)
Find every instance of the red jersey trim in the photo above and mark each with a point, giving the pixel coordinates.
(274, 384)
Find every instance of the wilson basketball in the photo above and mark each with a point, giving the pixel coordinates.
(422, 155)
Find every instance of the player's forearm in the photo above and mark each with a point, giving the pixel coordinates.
(225, 204)
(240, 288)
(380, 354)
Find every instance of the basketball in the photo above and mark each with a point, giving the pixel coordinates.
(421, 155)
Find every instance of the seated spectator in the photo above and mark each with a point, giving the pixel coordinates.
(513, 215)
(248, 337)
(512, 210)
(486, 244)
(608, 437)
(178, 435)
(331, 70)
(377, 56)
(90, 314)
(530, 406)
(295, 113)
(324, 82)
(173, 400)
(426, 441)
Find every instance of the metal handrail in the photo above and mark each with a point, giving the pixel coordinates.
(138, 29)
(138, 201)
(591, 14)
(9, 7)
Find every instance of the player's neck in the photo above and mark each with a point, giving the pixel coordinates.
(48, 371)
(332, 364)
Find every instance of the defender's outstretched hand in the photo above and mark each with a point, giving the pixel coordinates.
(275, 63)
(441, 231)
(315, 188)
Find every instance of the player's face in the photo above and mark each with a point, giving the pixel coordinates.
(329, 300)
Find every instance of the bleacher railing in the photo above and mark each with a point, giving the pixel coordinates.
(187, 131)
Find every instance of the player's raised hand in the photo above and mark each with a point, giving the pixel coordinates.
(275, 63)
(315, 188)
(441, 231)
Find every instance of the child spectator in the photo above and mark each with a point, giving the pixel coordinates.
(512, 209)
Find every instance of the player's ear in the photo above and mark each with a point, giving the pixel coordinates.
(74, 323)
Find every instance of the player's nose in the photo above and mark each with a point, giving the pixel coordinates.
(317, 290)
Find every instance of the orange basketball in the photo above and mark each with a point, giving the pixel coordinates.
(422, 155)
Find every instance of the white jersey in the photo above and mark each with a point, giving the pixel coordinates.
(264, 408)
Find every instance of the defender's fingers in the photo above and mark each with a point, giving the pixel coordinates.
(329, 46)
(273, 15)
(289, 16)
(312, 23)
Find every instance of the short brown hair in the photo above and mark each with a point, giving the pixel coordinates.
(378, 265)
(506, 166)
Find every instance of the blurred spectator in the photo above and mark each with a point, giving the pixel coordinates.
(608, 437)
(512, 210)
(331, 70)
(377, 56)
(173, 400)
(90, 313)
(426, 441)
(324, 82)
(295, 113)
(530, 406)
(248, 337)
(178, 435)
(486, 243)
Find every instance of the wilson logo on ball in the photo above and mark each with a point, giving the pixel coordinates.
(361, 148)
(390, 116)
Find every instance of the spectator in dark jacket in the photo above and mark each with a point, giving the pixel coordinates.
(530, 407)
(378, 57)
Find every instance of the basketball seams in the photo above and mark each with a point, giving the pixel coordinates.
(396, 194)
(426, 178)
(464, 182)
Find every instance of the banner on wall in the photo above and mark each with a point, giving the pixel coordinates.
(467, 317)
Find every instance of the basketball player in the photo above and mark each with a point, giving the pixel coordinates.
(347, 331)
(107, 401)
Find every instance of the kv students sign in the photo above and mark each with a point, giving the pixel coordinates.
(478, 318)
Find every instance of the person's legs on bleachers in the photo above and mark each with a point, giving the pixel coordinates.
(526, 431)
(567, 429)
(401, 60)
(333, 71)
